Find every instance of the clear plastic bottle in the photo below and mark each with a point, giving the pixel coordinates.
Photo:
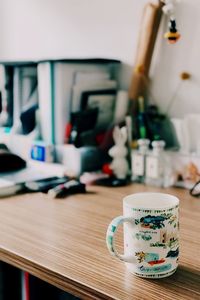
(158, 166)
(138, 160)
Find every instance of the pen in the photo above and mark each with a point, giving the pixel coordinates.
(66, 189)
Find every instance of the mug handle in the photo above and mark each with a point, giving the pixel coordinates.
(110, 237)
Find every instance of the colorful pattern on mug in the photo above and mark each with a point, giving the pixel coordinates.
(151, 240)
(158, 231)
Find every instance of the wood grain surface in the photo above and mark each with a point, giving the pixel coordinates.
(63, 243)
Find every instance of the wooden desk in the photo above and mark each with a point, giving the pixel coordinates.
(63, 243)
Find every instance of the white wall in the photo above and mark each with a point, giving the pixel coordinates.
(69, 28)
(32, 29)
(171, 60)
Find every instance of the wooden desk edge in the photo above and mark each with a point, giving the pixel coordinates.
(66, 284)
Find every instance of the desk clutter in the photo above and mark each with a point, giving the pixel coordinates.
(38, 177)
(59, 102)
(55, 108)
(73, 113)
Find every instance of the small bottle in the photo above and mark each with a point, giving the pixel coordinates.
(138, 160)
(158, 167)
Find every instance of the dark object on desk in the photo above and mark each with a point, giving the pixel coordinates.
(40, 185)
(69, 188)
(44, 185)
(195, 190)
(9, 161)
(112, 182)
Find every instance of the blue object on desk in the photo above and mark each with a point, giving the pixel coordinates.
(42, 152)
(38, 153)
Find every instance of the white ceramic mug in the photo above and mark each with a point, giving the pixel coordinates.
(151, 234)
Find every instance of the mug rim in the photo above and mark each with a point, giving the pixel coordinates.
(127, 199)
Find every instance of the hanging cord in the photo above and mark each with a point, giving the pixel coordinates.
(183, 77)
